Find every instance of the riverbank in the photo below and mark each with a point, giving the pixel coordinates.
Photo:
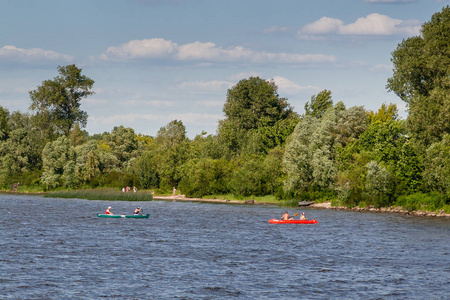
(322, 205)
(397, 210)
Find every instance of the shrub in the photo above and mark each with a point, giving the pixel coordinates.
(430, 202)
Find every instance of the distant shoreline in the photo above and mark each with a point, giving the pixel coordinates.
(322, 205)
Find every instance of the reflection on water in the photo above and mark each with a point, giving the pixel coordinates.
(59, 249)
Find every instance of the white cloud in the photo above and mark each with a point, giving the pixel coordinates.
(33, 55)
(371, 25)
(153, 48)
(205, 53)
(289, 87)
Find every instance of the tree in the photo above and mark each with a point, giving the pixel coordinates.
(309, 157)
(87, 162)
(4, 130)
(171, 151)
(319, 104)
(253, 99)
(379, 185)
(123, 143)
(253, 104)
(145, 168)
(205, 176)
(172, 134)
(59, 165)
(422, 79)
(437, 166)
(20, 153)
(56, 103)
(248, 178)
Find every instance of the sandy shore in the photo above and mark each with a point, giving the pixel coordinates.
(322, 205)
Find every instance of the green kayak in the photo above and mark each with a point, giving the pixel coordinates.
(124, 216)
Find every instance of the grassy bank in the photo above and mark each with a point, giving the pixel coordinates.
(258, 199)
(102, 194)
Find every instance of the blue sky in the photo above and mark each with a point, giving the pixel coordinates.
(154, 61)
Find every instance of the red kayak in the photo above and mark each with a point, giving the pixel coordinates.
(275, 221)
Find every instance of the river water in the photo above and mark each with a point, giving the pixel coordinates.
(59, 249)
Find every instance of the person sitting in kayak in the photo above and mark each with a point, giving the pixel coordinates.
(137, 211)
(108, 211)
(303, 217)
(286, 216)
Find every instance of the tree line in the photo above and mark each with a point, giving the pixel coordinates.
(262, 146)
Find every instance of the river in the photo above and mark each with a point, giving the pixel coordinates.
(60, 249)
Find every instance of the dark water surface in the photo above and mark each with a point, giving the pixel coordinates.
(60, 249)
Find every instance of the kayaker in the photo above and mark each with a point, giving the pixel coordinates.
(286, 216)
(108, 211)
(303, 217)
(137, 211)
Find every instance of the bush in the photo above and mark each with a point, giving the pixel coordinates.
(420, 201)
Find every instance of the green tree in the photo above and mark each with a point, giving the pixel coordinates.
(146, 169)
(204, 177)
(4, 129)
(253, 105)
(384, 113)
(379, 188)
(437, 166)
(319, 104)
(87, 161)
(248, 178)
(309, 157)
(252, 100)
(20, 153)
(56, 103)
(59, 164)
(122, 143)
(171, 151)
(422, 79)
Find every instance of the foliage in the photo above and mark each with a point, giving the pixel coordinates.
(420, 201)
(253, 107)
(379, 187)
(309, 156)
(422, 79)
(58, 159)
(437, 166)
(122, 144)
(56, 102)
(171, 153)
(145, 168)
(205, 176)
(319, 104)
(249, 178)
